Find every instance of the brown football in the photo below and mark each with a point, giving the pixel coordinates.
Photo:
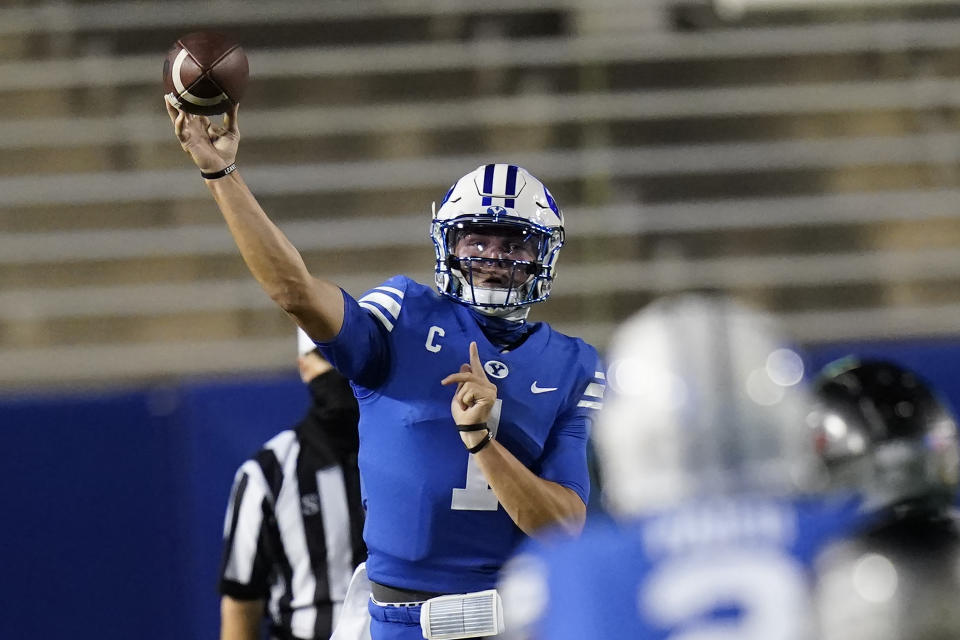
(206, 72)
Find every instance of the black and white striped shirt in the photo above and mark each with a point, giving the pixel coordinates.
(293, 534)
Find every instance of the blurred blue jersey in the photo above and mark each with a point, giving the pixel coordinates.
(737, 568)
(433, 524)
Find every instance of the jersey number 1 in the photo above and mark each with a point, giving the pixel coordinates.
(477, 494)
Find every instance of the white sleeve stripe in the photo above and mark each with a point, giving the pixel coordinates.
(590, 405)
(392, 290)
(379, 315)
(599, 375)
(389, 305)
(594, 390)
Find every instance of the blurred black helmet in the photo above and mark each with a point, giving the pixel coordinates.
(882, 430)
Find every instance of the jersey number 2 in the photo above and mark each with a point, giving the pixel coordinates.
(767, 587)
(477, 494)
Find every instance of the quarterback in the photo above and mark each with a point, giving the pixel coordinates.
(474, 422)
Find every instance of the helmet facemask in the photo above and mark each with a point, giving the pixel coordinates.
(499, 266)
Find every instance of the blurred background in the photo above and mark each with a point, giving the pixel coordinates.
(802, 154)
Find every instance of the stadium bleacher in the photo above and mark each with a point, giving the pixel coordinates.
(805, 162)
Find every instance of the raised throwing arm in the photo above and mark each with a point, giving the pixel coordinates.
(315, 304)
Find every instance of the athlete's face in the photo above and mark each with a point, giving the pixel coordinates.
(499, 248)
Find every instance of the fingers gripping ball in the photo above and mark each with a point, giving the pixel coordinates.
(206, 73)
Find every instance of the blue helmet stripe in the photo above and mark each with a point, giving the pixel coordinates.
(449, 191)
(488, 184)
(551, 201)
(511, 186)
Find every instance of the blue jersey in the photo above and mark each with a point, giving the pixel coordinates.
(737, 568)
(433, 523)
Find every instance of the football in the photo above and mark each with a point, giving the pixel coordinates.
(205, 73)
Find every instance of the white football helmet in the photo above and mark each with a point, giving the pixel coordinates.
(500, 200)
(704, 398)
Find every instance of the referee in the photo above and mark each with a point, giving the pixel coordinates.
(293, 528)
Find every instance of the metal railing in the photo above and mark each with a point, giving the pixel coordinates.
(526, 109)
(932, 149)
(882, 37)
(410, 229)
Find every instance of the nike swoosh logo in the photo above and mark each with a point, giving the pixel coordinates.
(535, 389)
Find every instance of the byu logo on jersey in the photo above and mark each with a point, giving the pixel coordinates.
(496, 369)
